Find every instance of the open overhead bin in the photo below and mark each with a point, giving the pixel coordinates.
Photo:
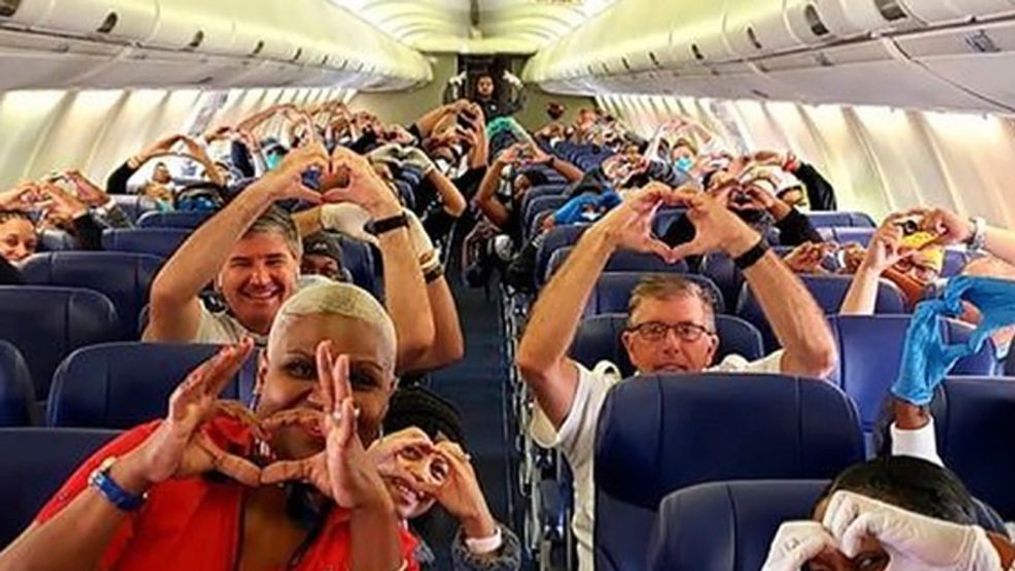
(115, 19)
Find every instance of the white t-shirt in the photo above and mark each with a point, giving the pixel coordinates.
(576, 439)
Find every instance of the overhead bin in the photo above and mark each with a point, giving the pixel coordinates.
(194, 25)
(133, 19)
(30, 61)
(949, 11)
(135, 67)
(754, 28)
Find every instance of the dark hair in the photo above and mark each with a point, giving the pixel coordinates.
(8, 215)
(912, 484)
(420, 408)
(536, 177)
(555, 110)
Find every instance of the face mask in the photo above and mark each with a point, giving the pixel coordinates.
(273, 160)
(684, 164)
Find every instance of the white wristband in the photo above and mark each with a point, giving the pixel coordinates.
(919, 443)
(485, 545)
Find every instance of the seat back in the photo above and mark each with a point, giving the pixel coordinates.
(188, 219)
(658, 434)
(156, 241)
(35, 464)
(620, 261)
(840, 219)
(598, 339)
(870, 354)
(56, 241)
(17, 397)
(1009, 364)
(975, 431)
(540, 204)
(120, 385)
(727, 526)
(47, 323)
(848, 235)
(829, 292)
(124, 277)
(613, 292)
(720, 268)
(363, 264)
(557, 238)
(134, 206)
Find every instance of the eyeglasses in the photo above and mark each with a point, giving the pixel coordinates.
(657, 330)
(921, 271)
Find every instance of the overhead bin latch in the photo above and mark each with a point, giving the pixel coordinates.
(981, 42)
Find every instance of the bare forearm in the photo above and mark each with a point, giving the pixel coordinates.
(795, 317)
(76, 538)
(451, 197)
(376, 545)
(558, 310)
(448, 345)
(862, 297)
(308, 222)
(406, 297)
(486, 200)
(1001, 243)
(568, 170)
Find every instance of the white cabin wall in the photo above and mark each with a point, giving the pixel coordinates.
(880, 159)
(95, 131)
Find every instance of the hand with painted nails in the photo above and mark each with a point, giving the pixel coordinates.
(181, 447)
(342, 471)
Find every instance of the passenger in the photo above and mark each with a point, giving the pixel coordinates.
(322, 256)
(423, 463)
(989, 266)
(18, 239)
(251, 251)
(671, 326)
(486, 95)
(817, 193)
(289, 486)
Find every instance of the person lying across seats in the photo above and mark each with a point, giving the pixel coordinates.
(251, 252)
(216, 486)
(671, 325)
(423, 461)
(907, 511)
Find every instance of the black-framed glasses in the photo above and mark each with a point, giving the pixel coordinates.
(657, 330)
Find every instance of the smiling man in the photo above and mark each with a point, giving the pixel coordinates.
(671, 326)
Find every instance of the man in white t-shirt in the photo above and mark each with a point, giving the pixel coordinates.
(671, 326)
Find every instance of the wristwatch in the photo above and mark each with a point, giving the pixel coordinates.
(978, 240)
(378, 227)
(752, 256)
(105, 485)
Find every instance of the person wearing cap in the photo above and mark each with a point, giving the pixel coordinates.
(911, 261)
(322, 256)
(423, 462)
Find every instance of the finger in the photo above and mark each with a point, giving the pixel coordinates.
(454, 449)
(841, 511)
(288, 471)
(340, 378)
(869, 524)
(240, 412)
(231, 365)
(809, 549)
(309, 420)
(325, 368)
(341, 426)
(240, 469)
(683, 251)
(306, 194)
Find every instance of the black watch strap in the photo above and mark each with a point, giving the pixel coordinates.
(751, 257)
(378, 227)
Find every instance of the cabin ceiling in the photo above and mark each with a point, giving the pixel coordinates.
(476, 26)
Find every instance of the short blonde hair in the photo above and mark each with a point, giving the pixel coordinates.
(666, 286)
(339, 300)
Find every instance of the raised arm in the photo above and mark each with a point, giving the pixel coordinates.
(405, 292)
(175, 307)
(885, 250)
(953, 230)
(451, 198)
(254, 121)
(428, 121)
(198, 153)
(486, 198)
(795, 317)
(542, 355)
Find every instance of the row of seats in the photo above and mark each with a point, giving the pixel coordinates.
(660, 434)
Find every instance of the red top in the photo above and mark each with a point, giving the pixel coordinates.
(195, 524)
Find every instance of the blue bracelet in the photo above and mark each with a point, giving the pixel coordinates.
(116, 495)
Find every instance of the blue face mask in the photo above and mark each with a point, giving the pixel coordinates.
(684, 164)
(273, 160)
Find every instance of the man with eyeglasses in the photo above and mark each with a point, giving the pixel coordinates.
(671, 325)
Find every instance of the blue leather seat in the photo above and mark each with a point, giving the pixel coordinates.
(35, 464)
(17, 397)
(719, 268)
(727, 526)
(613, 291)
(47, 323)
(157, 241)
(841, 219)
(121, 385)
(620, 261)
(187, 219)
(973, 418)
(557, 238)
(134, 206)
(56, 241)
(124, 277)
(537, 205)
(870, 353)
(659, 434)
(363, 263)
(664, 218)
(848, 235)
(829, 292)
(598, 339)
(1009, 364)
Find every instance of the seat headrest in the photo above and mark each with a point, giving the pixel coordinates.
(17, 397)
